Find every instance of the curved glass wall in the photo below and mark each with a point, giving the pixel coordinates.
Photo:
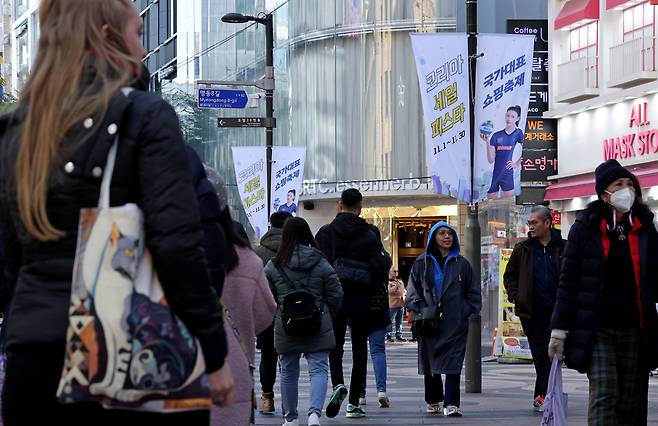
(346, 85)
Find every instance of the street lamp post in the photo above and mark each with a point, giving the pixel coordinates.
(266, 83)
(473, 374)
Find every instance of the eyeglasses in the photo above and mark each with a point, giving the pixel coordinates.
(444, 233)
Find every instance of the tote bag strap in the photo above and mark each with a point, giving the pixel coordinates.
(104, 199)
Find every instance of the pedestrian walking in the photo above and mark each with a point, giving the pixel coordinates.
(531, 281)
(53, 150)
(249, 307)
(443, 294)
(378, 312)
(396, 295)
(605, 322)
(308, 294)
(356, 253)
(266, 250)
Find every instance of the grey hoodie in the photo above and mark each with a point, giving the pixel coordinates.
(309, 269)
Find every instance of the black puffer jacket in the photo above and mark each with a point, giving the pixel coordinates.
(351, 237)
(581, 280)
(152, 170)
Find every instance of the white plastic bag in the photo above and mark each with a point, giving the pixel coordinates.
(555, 404)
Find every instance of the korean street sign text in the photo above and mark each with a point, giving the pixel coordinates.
(221, 98)
(246, 122)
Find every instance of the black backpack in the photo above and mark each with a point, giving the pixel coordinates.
(299, 313)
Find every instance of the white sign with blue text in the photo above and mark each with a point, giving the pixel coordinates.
(502, 93)
(287, 178)
(442, 67)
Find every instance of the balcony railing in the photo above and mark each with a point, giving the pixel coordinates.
(578, 79)
(633, 62)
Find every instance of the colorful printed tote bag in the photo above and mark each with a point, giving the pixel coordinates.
(125, 348)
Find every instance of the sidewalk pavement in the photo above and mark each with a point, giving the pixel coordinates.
(506, 396)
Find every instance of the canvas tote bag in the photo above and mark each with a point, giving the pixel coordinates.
(124, 346)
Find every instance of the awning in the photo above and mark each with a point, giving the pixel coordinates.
(576, 12)
(583, 186)
(611, 4)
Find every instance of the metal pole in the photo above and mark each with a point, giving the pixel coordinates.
(269, 104)
(473, 377)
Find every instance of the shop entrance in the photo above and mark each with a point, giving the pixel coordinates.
(410, 235)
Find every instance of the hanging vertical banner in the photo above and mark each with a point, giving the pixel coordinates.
(287, 178)
(502, 92)
(442, 66)
(251, 175)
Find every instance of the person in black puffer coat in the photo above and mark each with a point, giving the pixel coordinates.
(53, 151)
(355, 251)
(605, 321)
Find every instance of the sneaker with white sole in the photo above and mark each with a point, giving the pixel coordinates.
(337, 397)
(291, 423)
(452, 411)
(362, 400)
(538, 404)
(354, 412)
(313, 419)
(435, 408)
(382, 398)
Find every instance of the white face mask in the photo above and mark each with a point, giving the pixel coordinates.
(623, 199)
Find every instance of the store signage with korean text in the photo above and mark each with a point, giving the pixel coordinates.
(539, 150)
(642, 140)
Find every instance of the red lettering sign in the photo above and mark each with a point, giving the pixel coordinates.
(641, 142)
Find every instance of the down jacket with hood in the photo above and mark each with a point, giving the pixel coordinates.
(457, 291)
(581, 284)
(269, 245)
(307, 268)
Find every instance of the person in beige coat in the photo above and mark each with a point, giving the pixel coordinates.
(396, 296)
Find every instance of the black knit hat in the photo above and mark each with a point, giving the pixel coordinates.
(608, 172)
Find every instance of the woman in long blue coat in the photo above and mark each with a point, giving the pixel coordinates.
(443, 290)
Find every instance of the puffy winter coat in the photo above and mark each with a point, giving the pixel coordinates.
(269, 245)
(442, 350)
(152, 170)
(307, 268)
(249, 301)
(581, 280)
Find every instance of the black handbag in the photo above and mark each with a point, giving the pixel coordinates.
(428, 319)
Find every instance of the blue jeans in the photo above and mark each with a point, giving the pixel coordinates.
(396, 317)
(378, 357)
(318, 367)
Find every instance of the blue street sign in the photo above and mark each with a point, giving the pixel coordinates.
(221, 98)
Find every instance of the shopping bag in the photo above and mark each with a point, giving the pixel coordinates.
(555, 404)
(125, 348)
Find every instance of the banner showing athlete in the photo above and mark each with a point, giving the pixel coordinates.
(504, 150)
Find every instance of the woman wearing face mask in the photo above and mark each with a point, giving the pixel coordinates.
(605, 322)
(444, 293)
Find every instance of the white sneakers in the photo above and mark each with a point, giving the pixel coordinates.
(382, 398)
(452, 411)
(314, 420)
(435, 408)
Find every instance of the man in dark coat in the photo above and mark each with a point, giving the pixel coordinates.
(356, 253)
(605, 322)
(266, 250)
(531, 281)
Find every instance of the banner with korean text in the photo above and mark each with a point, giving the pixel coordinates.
(251, 176)
(502, 93)
(287, 178)
(442, 67)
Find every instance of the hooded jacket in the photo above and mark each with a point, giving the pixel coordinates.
(519, 274)
(308, 269)
(269, 245)
(351, 237)
(458, 294)
(579, 295)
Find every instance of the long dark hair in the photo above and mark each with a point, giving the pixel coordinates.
(295, 232)
(232, 239)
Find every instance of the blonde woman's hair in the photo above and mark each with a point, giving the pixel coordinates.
(73, 47)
